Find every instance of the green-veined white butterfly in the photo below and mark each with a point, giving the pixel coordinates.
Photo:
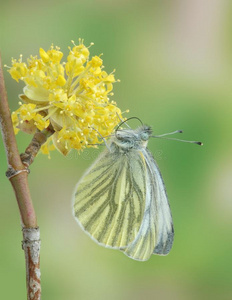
(121, 201)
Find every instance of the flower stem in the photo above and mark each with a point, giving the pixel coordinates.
(33, 148)
(31, 242)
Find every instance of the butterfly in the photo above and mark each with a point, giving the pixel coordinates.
(121, 201)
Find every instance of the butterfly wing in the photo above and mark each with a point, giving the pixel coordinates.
(156, 232)
(109, 200)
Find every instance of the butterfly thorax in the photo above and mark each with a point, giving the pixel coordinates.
(127, 139)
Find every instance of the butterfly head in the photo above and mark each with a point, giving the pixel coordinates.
(129, 138)
(144, 132)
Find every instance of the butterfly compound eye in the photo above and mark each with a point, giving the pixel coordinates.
(144, 136)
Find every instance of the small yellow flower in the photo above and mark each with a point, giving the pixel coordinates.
(15, 121)
(71, 97)
(18, 70)
(47, 147)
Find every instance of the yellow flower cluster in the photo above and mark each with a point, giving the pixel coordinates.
(71, 97)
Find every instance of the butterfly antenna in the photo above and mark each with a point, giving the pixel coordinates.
(162, 136)
(173, 139)
(174, 132)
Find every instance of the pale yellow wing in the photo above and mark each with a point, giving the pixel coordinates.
(109, 200)
(156, 232)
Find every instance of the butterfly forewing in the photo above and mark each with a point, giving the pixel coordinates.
(156, 232)
(110, 198)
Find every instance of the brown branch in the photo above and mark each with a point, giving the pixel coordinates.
(31, 246)
(33, 148)
(18, 178)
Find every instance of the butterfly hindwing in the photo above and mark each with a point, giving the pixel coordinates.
(109, 200)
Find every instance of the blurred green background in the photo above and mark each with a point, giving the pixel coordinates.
(174, 61)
